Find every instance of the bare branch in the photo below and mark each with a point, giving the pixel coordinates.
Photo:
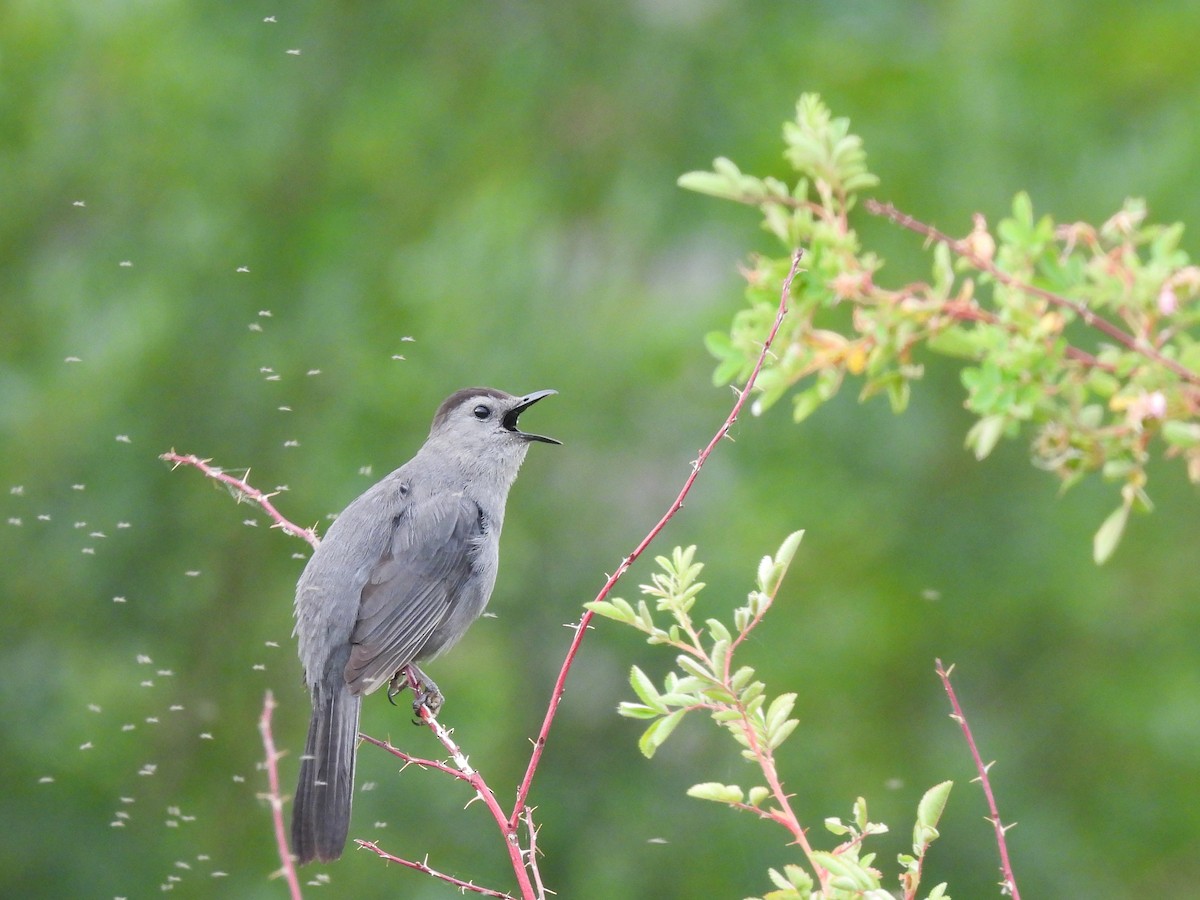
(429, 870)
(275, 798)
(1010, 882)
(242, 489)
(532, 853)
(409, 759)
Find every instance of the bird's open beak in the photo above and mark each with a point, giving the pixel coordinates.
(510, 417)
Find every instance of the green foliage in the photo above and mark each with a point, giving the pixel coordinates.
(707, 680)
(1082, 336)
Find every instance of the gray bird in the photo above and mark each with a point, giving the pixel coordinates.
(400, 576)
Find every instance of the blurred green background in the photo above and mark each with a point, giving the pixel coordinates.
(219, 215)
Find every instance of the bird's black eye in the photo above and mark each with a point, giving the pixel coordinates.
(482, 412)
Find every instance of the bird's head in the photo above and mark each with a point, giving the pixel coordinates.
(479, 427)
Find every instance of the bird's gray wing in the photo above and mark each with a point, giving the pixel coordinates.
(410, 590)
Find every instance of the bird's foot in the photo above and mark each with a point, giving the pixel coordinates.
(425, 691)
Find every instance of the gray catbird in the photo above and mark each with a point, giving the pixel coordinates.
(399, 577)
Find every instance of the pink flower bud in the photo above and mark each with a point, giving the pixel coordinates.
(1167, 301)
(1156, 405)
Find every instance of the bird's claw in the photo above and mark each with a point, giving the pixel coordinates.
(396, 685)
(426, 695)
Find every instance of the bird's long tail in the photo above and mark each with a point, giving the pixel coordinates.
(321, 811)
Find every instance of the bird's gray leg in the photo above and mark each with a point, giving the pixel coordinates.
(425, 690)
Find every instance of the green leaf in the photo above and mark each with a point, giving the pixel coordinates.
(720, 651)
(1103, 383)
(719, 345)
(718, 631)
(739, 679)
(955, 341)
(860, 814)
(1091, 416)
(717, 792)
(899, 390)
(805, 403)
(1181, 434)
(645, 619)
(778, 735)
(654, 736)
(717, 694)
(929, 812)
(779, 710)
(1109, 534)
(787, 550)
(933, 803)
(758, 795)
(752, 694)
(1023, 209)
(710, 183)
(645, 689)
(923, 835)
(766, 568)
(800, 879)
(637, 711)
(617, 609)
(849, 873)
(1116, 469)
(779, 879)
(692, 667)
(834, 825)
(771, 570)
(984, 435)
(724, 166)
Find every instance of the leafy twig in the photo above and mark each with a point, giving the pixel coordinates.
(1094, 410)
(1010, 882)
(964, 249)
(706, 680)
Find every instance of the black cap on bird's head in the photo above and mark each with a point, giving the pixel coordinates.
(489, 404)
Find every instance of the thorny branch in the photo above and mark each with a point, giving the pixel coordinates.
(1010, 882)
(275, 798)
(423, 866)
(585, 620)
(243, 490)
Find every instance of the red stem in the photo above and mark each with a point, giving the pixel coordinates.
(275, 798)
(1010, 882)
(463, 886)
(560, 684)
(244, 489)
